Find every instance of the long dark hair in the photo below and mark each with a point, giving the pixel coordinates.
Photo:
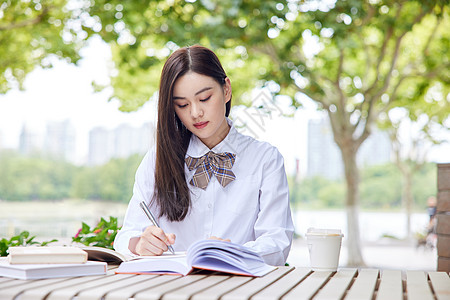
(171, 191)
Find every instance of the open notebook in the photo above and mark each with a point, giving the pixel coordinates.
(211, 255)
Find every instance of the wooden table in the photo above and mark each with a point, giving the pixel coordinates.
(282, 283)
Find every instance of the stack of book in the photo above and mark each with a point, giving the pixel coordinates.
(49, 262)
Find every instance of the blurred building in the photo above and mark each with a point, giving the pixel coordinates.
(375, 150)
(60, 140)
(324, 156)
(28, 141)
(101, 146)
(129, 140)
(120, 142)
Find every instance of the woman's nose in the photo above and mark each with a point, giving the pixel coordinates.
(196, 111)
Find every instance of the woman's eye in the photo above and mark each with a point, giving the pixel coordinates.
(206, 99)
(181, 105)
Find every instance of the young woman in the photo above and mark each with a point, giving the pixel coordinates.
(204, 179)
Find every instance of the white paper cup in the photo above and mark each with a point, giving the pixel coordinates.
(324, 247)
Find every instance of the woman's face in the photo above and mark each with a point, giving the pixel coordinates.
(199, 101)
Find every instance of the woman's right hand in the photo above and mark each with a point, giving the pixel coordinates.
(153, 241)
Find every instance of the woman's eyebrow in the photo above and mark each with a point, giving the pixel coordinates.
(199, 92)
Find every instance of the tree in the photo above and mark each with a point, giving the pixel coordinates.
(412, 134)
(31, 32)
(420, 116)
(34, 178)
(351, 57)
(368, 57)
(142, 34)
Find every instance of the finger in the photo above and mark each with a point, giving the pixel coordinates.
(155, 250)
(151, 246)
(141, 249)
(158, 233)
(153, 234)
(148, 249)
(155, 242)
(171, 238)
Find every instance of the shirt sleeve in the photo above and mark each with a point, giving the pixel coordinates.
(135, 220)
(273, 228)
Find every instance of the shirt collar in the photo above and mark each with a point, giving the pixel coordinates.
(228, 144)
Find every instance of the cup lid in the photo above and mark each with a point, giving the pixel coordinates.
(323, 231)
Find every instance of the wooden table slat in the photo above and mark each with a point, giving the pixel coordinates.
(99, 291)
(441, 284)
(42, 291)
(13, 282)
(308, 287)
(255, 285)
(338, 284)
(187, 292)
(4, 280)
(221, 288)
(68, 293)
(364, 285)
(158, 291)
(127, 292)
(391, 286)
(417, 286)
(283, 285)
(13, 291)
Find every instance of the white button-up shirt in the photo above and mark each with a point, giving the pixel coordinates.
(252, 210)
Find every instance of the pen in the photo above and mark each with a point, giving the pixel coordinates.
(152, 218)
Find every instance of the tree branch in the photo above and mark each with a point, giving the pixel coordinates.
(26, 23)
(269, 50)
(370, 13)
(368, 58)
(317, 99)
(432, 34)
(387, 37)
(383, 51)
(434, 72)
(340, 65)
(395, 56)
(395, 144)
(366, 131)
(394, 93)
(341, 102)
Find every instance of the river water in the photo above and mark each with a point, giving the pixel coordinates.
(373, 225)
(63, 219)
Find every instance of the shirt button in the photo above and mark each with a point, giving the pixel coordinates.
(209, 205)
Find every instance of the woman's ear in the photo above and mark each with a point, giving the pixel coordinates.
(227, 89)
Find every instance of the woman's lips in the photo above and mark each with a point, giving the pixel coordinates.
(200, 125)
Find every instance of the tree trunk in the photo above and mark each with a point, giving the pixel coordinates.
(407, 199)
(355, 258)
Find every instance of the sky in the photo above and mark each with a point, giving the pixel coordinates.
(65, 93)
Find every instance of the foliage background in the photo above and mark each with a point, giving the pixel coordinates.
(39, 178)
(42, 178)
(380, 189)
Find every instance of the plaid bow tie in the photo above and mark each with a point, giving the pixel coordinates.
(218, 163)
